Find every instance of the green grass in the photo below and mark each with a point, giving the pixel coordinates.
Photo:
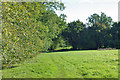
(69, 64)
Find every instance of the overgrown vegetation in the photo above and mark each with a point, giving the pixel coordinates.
(29, 28)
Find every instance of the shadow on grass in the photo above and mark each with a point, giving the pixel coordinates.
(9, 67)
(65, 50)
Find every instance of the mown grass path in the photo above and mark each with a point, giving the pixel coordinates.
(69, 64)
(61, 71)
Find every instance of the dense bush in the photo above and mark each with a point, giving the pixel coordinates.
(28, 28)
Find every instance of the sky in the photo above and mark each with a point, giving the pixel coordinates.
(82, 9)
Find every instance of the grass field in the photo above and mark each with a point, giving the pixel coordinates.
(68, 64)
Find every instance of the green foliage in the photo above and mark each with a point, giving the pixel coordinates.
(72, 33)
(115, 39)
(70, 64)
(87, 40)
(28, 28)
(57, 43)
(99, 32)
(100, 25)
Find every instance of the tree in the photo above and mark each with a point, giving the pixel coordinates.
(115, 35)
(100, 24)
(29, 28)
(72, 33)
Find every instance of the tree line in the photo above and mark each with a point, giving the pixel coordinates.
(30, 28)
(99, 32)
